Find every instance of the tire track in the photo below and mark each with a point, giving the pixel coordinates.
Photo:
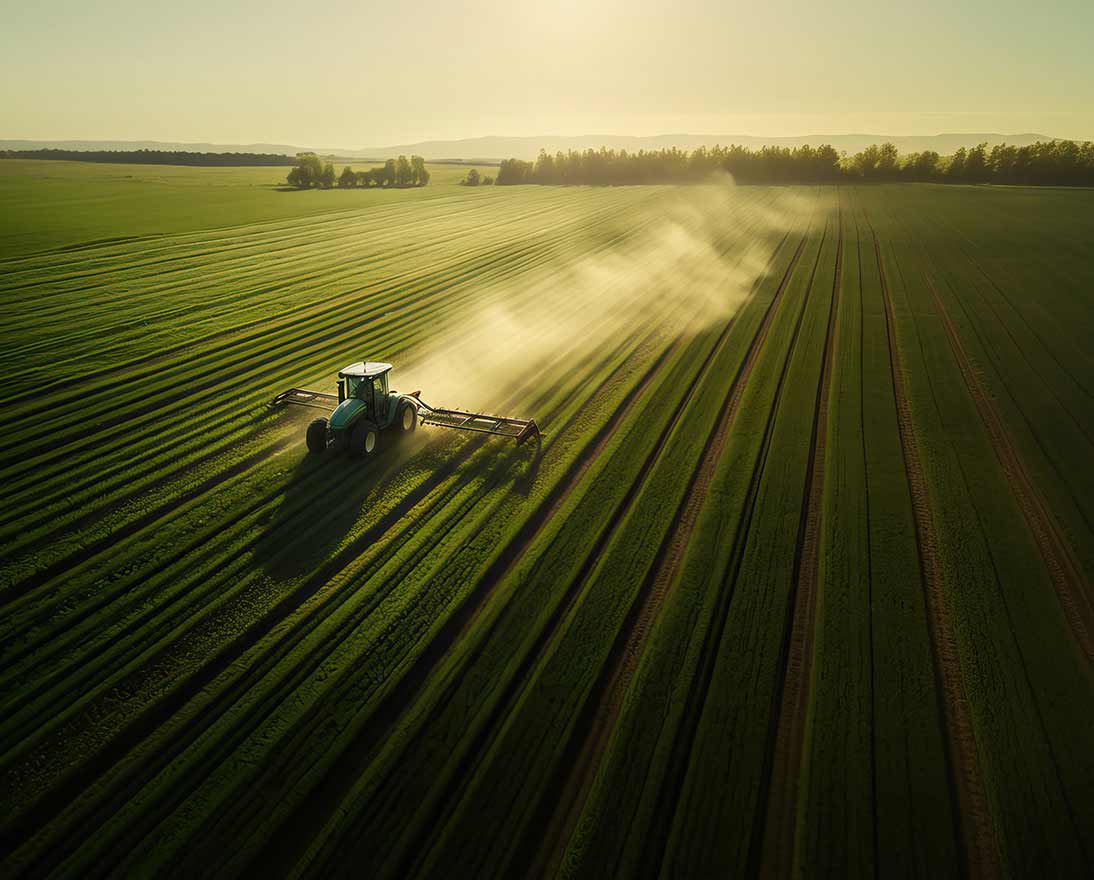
(1066, 573)
(565, 797)
(780, 823)
(977, 836)
(657, 836)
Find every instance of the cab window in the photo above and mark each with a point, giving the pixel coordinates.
(356, 387)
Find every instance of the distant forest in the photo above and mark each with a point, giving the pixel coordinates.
(1053, 163)
(151, 157)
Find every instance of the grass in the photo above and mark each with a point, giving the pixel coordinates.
(222, 655)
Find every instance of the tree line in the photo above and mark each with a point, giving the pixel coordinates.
(151, 157)
(1057, 163)
(311, 172)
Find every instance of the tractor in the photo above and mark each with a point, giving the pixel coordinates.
(367, 408)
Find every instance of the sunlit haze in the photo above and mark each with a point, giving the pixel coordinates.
(359, 74)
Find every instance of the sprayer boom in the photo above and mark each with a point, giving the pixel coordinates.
(304, 397)
(461, 420)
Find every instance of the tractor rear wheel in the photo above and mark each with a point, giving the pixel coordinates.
(407, 419)
(364, 439)
(317, 435)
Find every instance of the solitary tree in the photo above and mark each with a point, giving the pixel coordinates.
(472, 178)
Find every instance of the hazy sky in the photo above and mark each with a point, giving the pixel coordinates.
(356, 74)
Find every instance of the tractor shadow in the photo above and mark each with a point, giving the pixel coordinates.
(324, 497)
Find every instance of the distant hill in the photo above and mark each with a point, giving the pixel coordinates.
(491, 149)
(154, 157)
(529, 147)
(280, 149)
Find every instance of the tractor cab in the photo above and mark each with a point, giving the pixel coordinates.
(362, 394)
(365, 381)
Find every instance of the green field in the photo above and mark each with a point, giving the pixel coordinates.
(55, 205)
(797, 583)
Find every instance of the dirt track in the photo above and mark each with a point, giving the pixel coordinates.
(1066, 574)
(981, 850)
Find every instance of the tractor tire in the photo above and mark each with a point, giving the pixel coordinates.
(407, 418)
(317, 436)
(364, 439)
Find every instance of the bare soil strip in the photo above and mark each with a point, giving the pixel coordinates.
(977, 837)
(781, 815)
(1071, 586)
(566, 797)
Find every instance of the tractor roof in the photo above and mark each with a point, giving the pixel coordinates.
(367, 369)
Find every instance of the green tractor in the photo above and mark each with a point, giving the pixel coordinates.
(367, 408)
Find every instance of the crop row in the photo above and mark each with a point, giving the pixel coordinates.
(105, 767)
(198, 298)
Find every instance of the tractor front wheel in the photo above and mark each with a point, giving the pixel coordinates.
(317, 435)
(407, 418)
(364, 439)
